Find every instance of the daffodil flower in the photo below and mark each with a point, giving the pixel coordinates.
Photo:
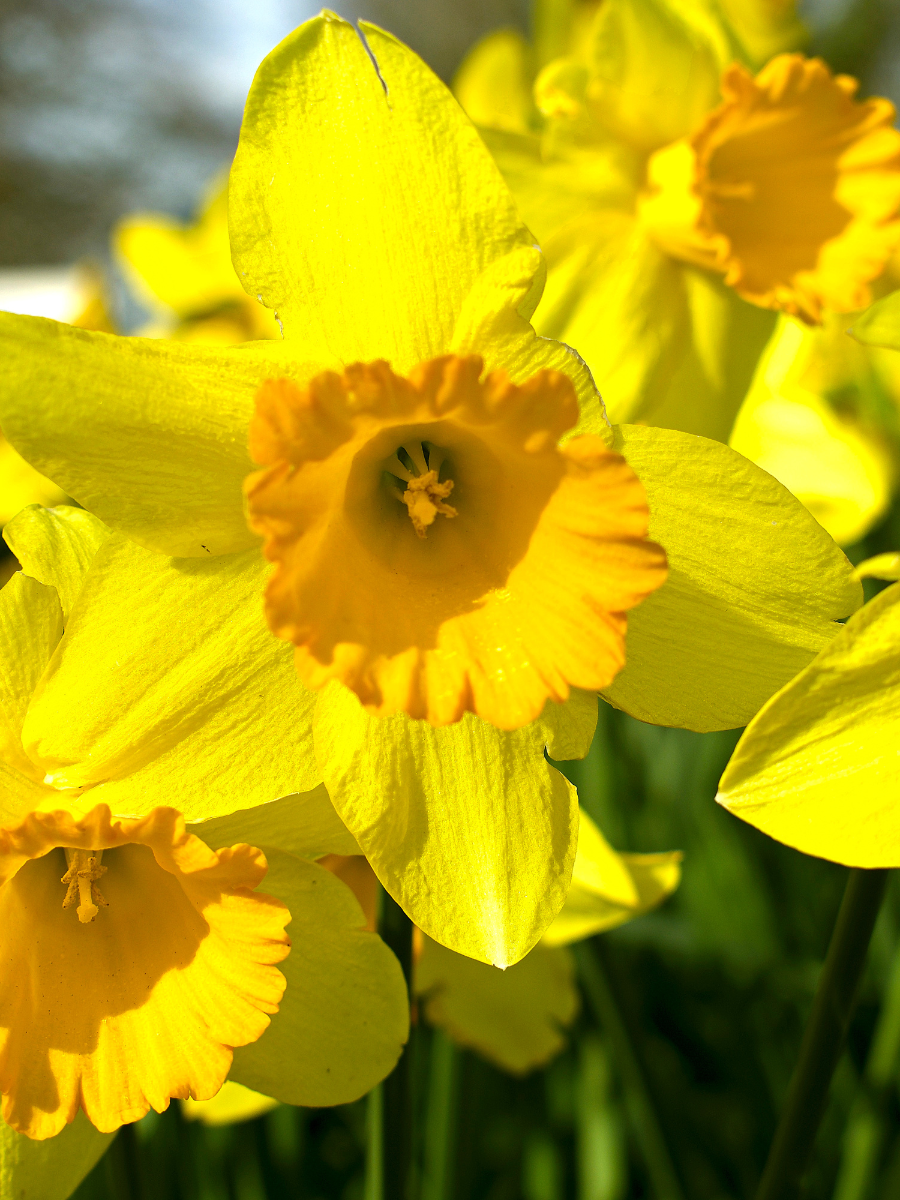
(838, 463)
(668, 185)
(366, 211)
(137, 957)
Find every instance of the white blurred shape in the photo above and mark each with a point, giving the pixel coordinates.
(57, 292)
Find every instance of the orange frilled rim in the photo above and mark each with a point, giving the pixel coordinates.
(516, 594)
(791, 187)
(146, 1001)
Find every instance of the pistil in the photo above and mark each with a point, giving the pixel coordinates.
(84, 870)
(425, 495)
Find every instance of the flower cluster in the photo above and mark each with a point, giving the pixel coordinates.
(336, 593)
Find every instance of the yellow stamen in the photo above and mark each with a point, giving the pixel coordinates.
(84, 870)
(424, 498)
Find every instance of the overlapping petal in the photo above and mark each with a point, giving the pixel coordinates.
(468, 827)
(149, 435)
(755, 588)
(52, 1169)
(818, 767)
(168, 685)
(515, 1017)
(609, 888)
(56, 546)
(345, 1013)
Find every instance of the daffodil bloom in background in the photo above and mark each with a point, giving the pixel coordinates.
(138, 954)
(516, 1017)
(185, 276)
(811, 419)
(369, 259)
(678, 197)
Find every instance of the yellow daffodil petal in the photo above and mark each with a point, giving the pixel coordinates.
(186, 268)
(345, 1013)
(609, 888)
(52, 1169)
(720, 354)
(766, 27)
(186, 272)
(818, 767)
(882, 566)
(31, 624)
(141, 993)
(493, 83)
(514, 1017)
(231, 1104)
(21, 484)
(56, 546)
(149, 435)
(492, 605)
(305, 824)
(655, 71)
(169, 685)
(879, 325)
(568, 728)
(361, 257)
(755, 586)
(671, 345)
(469, 828)
(837, 468)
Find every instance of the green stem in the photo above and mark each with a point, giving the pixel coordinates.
(593, 970)
(441, 1119)
(868, 1122)
(374, 1189)
(824, 1037)
(397, 1143)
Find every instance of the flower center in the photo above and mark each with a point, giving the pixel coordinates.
(418, 465)
(81, 878)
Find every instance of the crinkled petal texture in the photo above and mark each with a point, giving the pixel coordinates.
(363, 254)
(494, 605)
(468, 827)
(345, 1014)
(150, 435)
(515, 1017)
(755, 587)
(146, 1001)
(609, 888)
(791, 187)
(818, 767)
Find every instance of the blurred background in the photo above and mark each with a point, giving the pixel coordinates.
(108, 107)
(111, 106)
